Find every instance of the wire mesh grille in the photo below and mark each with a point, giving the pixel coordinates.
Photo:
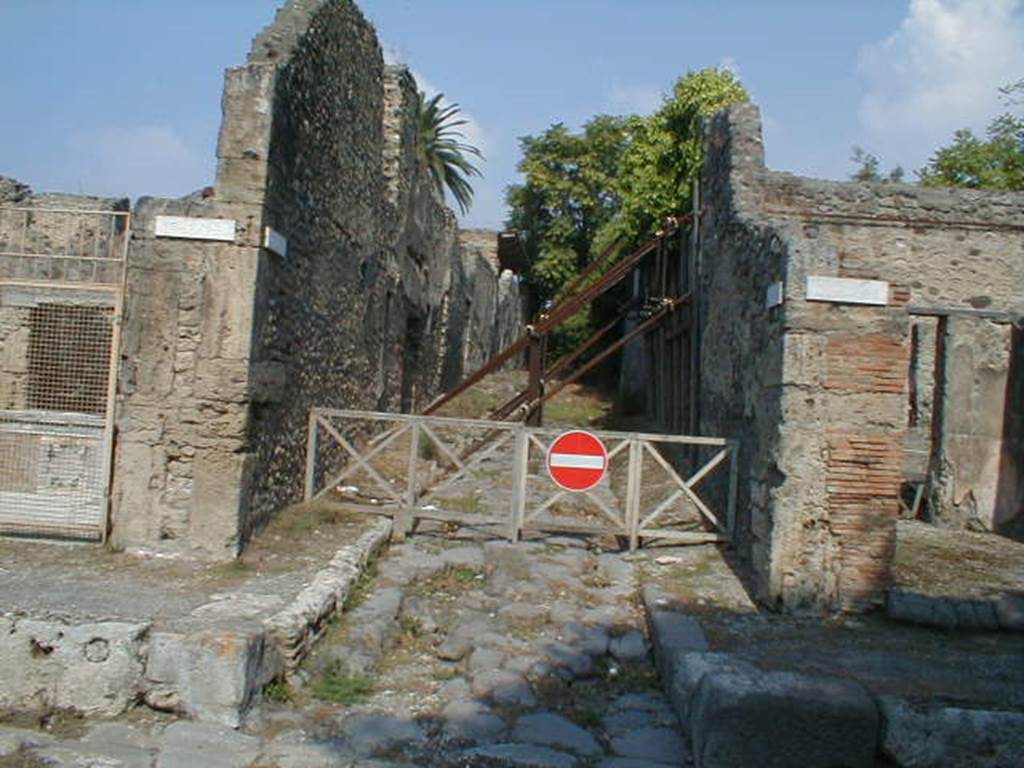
(69, 357)
(59, 284)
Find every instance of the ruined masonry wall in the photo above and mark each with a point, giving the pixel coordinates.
(228, 345)
(862, 399)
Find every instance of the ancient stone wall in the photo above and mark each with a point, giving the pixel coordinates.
(839, 400)
(740, 379)
(228, 344)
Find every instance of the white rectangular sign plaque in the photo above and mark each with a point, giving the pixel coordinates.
(847, 290)
(275, 241)
(773, 296)
(193, 228)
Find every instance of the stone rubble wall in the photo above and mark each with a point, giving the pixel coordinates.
(838, 403)
(228, 345)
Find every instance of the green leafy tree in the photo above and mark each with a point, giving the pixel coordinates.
(659, 166)
(441, 149)
(867, 168)
(569, 193)
(615, 179)
(995, 162)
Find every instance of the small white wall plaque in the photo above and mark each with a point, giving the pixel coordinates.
(773, 296)
(275, 241)
(194, 228)
(846, 290)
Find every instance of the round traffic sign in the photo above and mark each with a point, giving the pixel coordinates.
(577, 460)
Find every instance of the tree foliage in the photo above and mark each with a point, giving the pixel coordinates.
(617, 177)
(995, 162)
(441, 149)
(868, 168)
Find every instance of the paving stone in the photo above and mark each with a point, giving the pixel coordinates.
(517, 756)
(627, 720)
(471, 720)
(456, 688)
(472, 628)
(569, 658)
(607, 615)
(631, 646)
(297, 750)
(553, 730)
(503, 687)
(485, 658)
(9, 744)
(1010, 612)
(464, 557)
(522, 613)
(373, 733)
(591, 639)
(649, 702)
(562, 614)
(423, 611)
(188, 745)
(411, 564)
(522, 664)
(631, 762)
(662, 745)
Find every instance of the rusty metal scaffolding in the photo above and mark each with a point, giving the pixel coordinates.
(664, 281)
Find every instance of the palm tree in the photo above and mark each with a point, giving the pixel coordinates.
(441, 150)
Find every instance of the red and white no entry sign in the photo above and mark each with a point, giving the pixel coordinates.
(577, 460)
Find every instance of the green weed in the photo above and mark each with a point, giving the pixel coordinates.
(340, 688)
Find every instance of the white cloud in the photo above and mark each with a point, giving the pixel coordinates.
(638, 99)
(138, 160)
(938, 72)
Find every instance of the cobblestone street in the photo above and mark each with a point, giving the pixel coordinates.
(460, 651)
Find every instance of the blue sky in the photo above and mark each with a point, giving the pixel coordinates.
(123, 96)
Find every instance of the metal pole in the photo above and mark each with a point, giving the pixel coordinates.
(597, 359)
(535, 388)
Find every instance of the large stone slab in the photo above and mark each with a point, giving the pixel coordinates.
(690, 669)
(517, 756)
(94, 667)
(551, 730)
(930, 737)
(189, 745)
(741, 719)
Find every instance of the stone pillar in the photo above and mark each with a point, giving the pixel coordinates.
(976, 477)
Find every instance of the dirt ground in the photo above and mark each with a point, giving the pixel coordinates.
(87, 581)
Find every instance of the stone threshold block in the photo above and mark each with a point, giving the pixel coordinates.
(782, 719)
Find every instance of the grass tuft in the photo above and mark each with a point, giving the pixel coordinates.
(340, 688)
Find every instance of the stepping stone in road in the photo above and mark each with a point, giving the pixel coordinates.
(662, 745)
(553, 730)
(518, 756)
(503, 687)
(375, 733)
(470, 720)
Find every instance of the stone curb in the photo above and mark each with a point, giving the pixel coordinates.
(213, 674)
(717, 695)
(1000, 613)
(736, 715)
(294, 630)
